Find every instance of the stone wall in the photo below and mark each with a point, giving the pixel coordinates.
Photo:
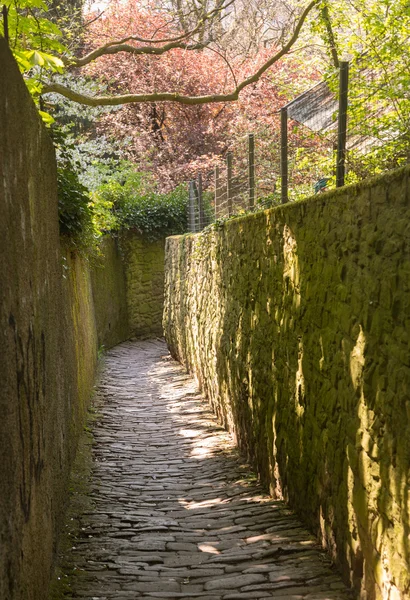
(144, 275)
(55, 309)
(110, 295)
(47, 347)
(128, 288)
(296, 323)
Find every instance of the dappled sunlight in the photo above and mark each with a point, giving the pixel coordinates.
(353, 542)
(291, 270)
(177, 511)
(189, 433)
(210, 503)
(181, 392)
(205, 449)
(357, 360)
(369, 487)
(322, 358)
(313, 364)
(276, 485)
(300, 383)
(208, 548)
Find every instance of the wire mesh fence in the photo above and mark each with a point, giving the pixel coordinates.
(352, 125)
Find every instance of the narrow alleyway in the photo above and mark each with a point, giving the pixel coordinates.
(176, 513)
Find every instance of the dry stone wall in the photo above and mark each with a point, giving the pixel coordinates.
(55, 310)
(110, 295)
(296, 323)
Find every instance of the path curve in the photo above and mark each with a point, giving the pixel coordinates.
(176, 512)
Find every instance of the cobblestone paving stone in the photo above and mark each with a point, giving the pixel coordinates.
(176, 513)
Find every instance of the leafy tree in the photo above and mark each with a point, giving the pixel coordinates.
(176, 141)
(374, 36)
(38, 32)
(35, 42)
(75, 212)
(190, 49)
(95, 154)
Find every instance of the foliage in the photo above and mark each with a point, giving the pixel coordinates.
(374, 36)
(96, 156)
(35, 42)
(176, 141)
(75, 215)
(136, 204)
(75, 211)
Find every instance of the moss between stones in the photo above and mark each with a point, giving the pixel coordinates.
(295, 321)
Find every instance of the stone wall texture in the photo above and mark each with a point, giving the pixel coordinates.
(47, 347)
(128, 288)
(144, 277)
(55, 310)
(110, 295)
(296, 322)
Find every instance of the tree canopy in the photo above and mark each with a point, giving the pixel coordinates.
(37, 42)
(177, 79)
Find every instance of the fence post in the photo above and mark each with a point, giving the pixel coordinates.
(251, 169)
(284, 154)
(201, 203)
(192, 211)
(342, 124)
(229, 182)
(217, 197)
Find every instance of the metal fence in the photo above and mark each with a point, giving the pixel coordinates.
(315, 148)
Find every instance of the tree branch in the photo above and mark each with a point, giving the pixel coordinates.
(256, 76)
(115, 49)
(330, 36)
(57, 88)
(170, 43)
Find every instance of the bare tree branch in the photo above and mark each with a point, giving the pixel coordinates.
(152, 50)
(285, 49)
(114, 47)
(57, 88)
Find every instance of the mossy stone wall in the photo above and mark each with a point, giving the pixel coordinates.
(110, 295)
(47, 348)
(128, 288)
(144, 276)
(296, 322)
(56, 308)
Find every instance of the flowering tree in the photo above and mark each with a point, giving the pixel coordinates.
(163, 41)
(173, 138)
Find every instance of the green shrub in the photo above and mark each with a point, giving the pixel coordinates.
(75, 215)
(136, 204)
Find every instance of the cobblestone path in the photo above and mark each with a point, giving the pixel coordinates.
(176, 513)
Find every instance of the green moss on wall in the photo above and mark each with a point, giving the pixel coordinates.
(55, 310)
(109, 295)
(144, 275)
(47, 349)
(295, 321)
(82, 332)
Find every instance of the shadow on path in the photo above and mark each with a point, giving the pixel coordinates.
(173, 512)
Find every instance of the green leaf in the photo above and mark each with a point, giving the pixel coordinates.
(47, 118)
(36, 58)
